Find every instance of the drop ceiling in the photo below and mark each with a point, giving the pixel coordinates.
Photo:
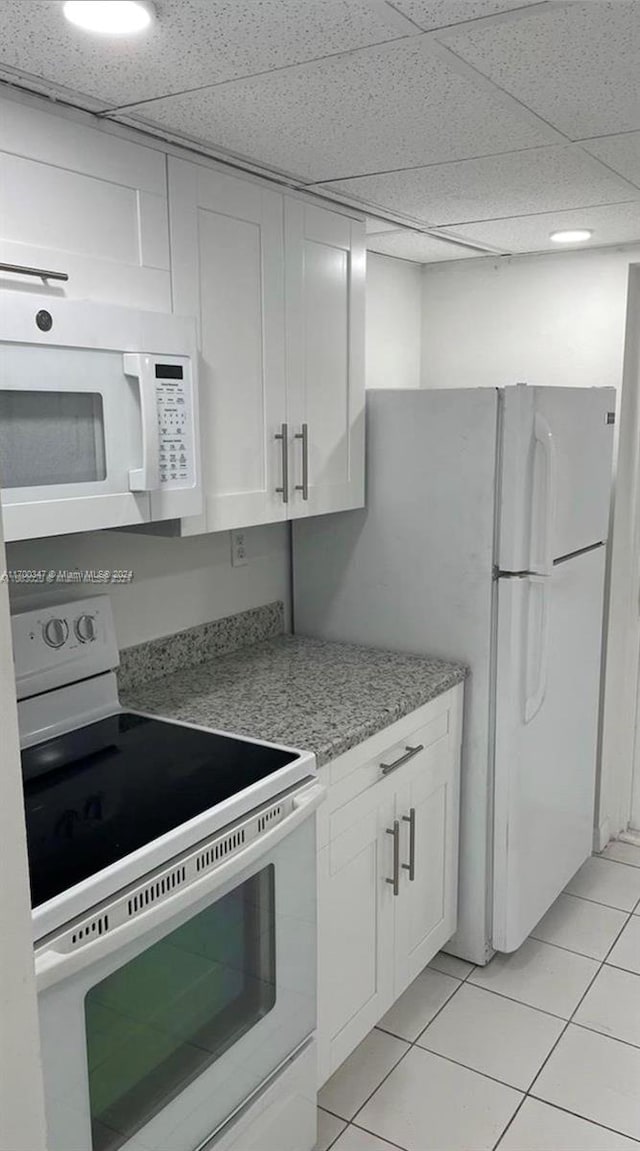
(462, 127)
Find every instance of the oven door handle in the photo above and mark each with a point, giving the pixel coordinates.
(53, 966)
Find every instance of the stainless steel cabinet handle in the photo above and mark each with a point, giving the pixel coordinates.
(395, 832)
(411, 865)
(283, 435)
(409, 753)
(41, 273)
(304, 486)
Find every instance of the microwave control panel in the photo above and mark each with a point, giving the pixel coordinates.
(175, 424)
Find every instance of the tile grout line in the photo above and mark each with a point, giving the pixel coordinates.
(412, 1044)
(567, 1023)
(529, 1092)
(566, 1111)
(572, 950)
(605, 1034)
(599, 903)
(531, 1006)
(576, 1115)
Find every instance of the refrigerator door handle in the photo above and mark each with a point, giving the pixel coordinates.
(536, 647)
(544, 437)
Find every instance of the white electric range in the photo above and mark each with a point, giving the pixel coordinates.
(173, 879)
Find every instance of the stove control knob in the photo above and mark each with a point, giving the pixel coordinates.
(85, 628)
(55, 632)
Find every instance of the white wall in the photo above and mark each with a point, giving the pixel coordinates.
(393, 316)
(177, 582)
(549, 319)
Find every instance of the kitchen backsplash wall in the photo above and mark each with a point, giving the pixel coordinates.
(196, 645)
(175, 584)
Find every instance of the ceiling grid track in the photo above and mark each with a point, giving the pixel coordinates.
(465, 127)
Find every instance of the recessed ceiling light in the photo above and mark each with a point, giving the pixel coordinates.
(577, 236)
(111, 17)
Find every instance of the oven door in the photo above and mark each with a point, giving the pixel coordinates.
(155, 1032)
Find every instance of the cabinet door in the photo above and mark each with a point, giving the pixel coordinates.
(79, 200)
(355, 926)
(228, 271)
(325, 267)
(427, 805)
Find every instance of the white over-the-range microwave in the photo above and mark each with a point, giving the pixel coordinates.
(98, 416)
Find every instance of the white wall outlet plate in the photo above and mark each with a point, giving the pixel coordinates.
(239, 557)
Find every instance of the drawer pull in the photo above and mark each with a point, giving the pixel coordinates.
(411, 865)
(395, 832)
(409, 752)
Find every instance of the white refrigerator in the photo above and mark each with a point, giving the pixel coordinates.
(484, 540)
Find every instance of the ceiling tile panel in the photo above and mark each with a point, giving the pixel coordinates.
(430, 14)
(577, 65)
(622, 153)
(614, 224)
(192, 44)
(540, 180)
(416, 246)
(379, 108)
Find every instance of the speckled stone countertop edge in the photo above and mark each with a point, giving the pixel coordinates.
(315, 695)
(326, 753)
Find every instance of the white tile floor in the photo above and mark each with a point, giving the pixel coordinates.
(538, 1051)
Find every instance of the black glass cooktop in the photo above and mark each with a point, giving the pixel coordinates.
(96, 794)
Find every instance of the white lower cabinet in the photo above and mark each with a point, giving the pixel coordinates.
(387, 871)
(355, 927)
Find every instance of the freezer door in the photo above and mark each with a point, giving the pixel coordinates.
(547, 692)
(557, 446)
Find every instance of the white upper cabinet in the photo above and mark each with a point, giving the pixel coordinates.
(325, 271)
(83, 201)
(275, 282)
(277, 287)
(227, 244)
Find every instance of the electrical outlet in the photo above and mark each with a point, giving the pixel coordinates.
(239, 557)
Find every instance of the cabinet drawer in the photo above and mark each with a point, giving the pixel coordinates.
(371, 772)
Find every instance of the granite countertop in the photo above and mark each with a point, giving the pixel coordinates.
(308, 693)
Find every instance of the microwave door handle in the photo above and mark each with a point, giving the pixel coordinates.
(146, 478)
(53, 966)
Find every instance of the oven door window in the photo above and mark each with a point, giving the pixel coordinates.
(159, 1021)
(49, 438)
